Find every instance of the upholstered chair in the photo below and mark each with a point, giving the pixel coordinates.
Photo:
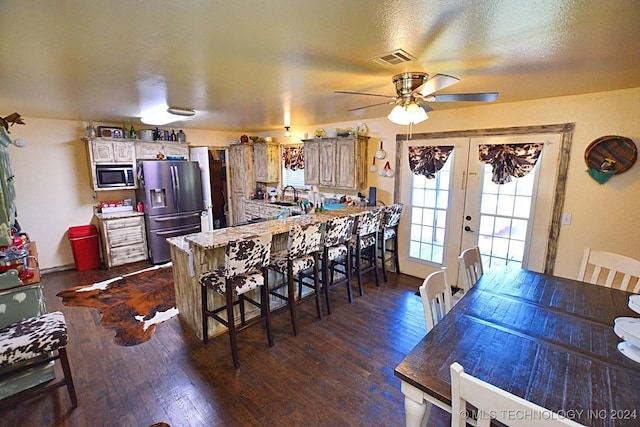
(301, 256)
(245, 269)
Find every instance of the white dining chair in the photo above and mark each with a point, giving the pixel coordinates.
(470, 267)
(436, 297)
(611, 270)
(495, 403)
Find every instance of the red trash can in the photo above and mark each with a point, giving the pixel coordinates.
(85, 247)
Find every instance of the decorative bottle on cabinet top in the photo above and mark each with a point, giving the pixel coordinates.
(182, 137)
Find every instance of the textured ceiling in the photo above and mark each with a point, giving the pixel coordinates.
(258, 65)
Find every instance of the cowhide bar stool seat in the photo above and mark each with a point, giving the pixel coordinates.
(301, 255)
(43, 336)
(245, 269)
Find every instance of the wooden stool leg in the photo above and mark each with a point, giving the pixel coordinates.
(264, 305)
(64, 361)
(231, 326)
(291, 298)
(205, 316)
(316, 284)
(384, 259)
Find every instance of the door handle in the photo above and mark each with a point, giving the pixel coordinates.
(467, 228)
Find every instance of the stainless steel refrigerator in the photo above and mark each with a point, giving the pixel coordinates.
(171, 191)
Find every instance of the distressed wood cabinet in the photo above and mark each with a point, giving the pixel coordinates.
(151, 150)
(242, 179)
(336, 162)
(111, 151)
(123, 239)
(266, 161)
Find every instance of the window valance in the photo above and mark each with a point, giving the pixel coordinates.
(428, 160)
(509, 160)
(293, 157)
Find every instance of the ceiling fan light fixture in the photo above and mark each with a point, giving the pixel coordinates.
(160, 115)
(187, 112)
(412, 113)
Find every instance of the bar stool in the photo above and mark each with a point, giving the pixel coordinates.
(365, 245)
(245, 268)
(38, 336)
(336, 251)
(389, 232)
(303, 247)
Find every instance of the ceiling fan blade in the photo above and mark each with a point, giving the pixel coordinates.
(426, 107)
(373, 105)
(454, 97)
(367, 94)
(438, 82)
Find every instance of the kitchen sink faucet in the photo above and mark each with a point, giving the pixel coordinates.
(295, 192)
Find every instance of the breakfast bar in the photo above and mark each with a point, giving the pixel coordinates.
(196, 253)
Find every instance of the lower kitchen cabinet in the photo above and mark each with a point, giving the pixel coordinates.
(123, 239)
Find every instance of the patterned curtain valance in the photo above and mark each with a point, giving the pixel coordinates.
(428, 160)
(509, 159)
(293, 157)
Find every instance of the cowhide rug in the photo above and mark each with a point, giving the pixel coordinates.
(132, 304)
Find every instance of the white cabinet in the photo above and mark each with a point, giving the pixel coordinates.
(336, 162)
(266, 161)
(123, 240)
(160, 149)
(112, 151)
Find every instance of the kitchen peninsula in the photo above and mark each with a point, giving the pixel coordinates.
(193, 254)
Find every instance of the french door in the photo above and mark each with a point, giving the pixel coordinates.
(462, 207)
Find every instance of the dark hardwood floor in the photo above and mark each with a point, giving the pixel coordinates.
(337, 372)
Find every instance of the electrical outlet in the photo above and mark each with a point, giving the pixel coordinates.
(566, 219)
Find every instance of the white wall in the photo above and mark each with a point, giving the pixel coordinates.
(52, 176)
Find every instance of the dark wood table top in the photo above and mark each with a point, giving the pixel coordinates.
(546, 339)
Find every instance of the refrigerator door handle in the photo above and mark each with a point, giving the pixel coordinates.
(182, 230)
(175, 186)
(171, 218)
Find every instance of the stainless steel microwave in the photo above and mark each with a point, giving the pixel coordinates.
(115, 176)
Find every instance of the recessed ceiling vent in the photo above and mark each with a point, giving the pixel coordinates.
(398, 56)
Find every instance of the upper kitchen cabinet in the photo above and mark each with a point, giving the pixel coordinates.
(266, 161)
(111, 151)
(336, 162)
(160, 149)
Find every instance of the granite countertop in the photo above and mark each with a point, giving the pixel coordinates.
(116, 215)
(220, 237)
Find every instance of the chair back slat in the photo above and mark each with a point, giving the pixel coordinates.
(248, 255)
(471, 267)
(339, 230)
(435, 293)
(610, 269)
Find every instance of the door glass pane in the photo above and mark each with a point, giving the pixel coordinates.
(504, 218)
(429, 200)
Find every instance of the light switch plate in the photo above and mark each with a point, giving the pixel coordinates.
(566, 219)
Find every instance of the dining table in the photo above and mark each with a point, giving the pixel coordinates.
(547, 339)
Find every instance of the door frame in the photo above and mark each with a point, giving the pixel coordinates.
(565, 129)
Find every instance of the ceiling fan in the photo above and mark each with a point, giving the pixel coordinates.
(412, 106)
